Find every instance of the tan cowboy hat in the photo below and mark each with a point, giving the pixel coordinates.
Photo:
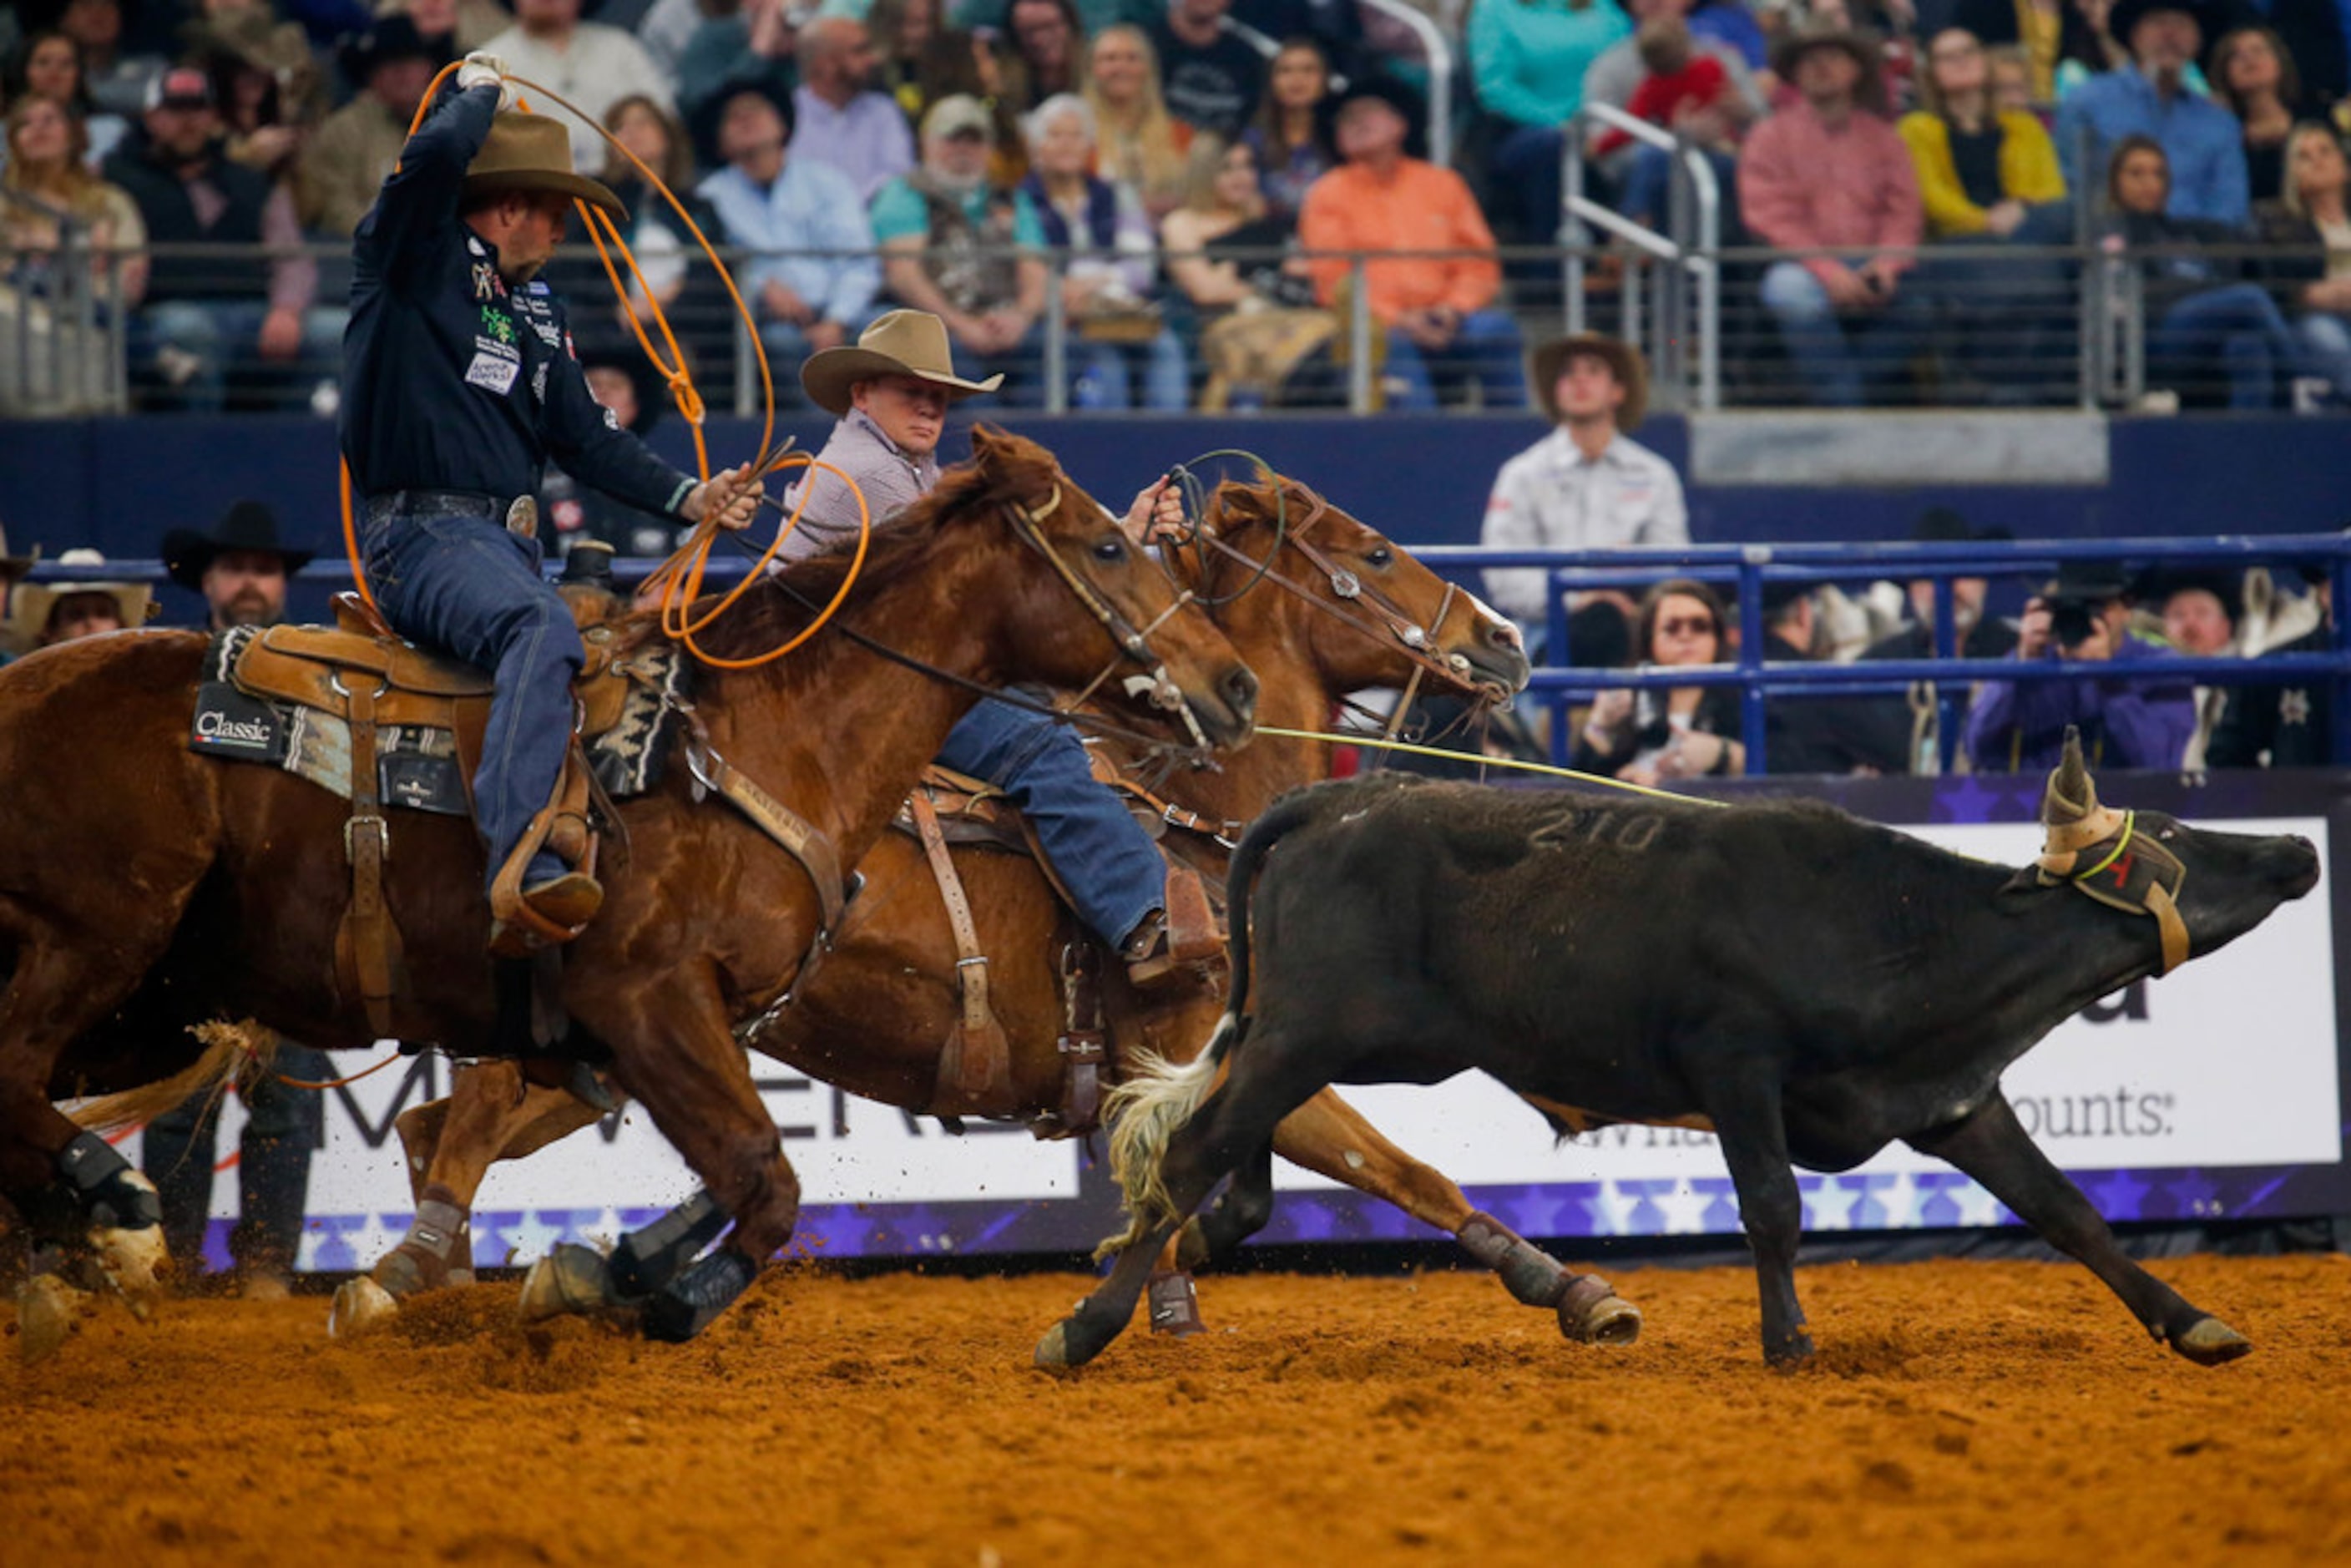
(1631, 371)
(29, 616)
(533, 152)
(901, 343)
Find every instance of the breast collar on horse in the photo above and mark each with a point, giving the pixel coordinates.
(2136, 873)
(1409, 634)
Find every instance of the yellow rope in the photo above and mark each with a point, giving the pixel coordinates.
(1542, 767)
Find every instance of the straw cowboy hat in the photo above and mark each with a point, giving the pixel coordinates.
(1624, 360)
(533, 152)
(29, 616)
(901, 343)
(188, 553)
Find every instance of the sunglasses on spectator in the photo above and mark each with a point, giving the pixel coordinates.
(1687, 626)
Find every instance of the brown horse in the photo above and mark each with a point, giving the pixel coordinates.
(1343, 609)
(144, 890)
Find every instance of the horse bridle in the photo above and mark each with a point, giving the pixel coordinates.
(1410, 635)
(1134, 642)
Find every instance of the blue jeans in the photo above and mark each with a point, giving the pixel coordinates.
(219, 333)
(1105, 859)
(2323, 345)
(1112, 375)
(2239, 327)
(467, 587)
(1486, 348)
(1648, 186)
(1842, 356)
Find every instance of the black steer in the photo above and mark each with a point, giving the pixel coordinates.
(1810, 986)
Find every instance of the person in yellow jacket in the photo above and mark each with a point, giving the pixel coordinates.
(1989, 178)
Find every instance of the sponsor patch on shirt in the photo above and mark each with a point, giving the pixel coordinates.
(497, 374)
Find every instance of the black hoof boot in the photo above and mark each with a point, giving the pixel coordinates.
(691, 1303)
(1174, 1306)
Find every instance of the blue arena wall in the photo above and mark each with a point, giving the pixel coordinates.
(116, 483)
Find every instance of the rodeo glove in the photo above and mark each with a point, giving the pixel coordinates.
(483, 69)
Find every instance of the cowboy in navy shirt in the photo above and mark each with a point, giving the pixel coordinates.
(459, 382)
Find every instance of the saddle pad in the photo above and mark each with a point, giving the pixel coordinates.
(628, 756)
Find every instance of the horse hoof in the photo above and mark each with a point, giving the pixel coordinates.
(361, 1303)
(570, 1282)
(45, 1310)
(1175, 1306)
(1593, 1313)
(1053, 1350)
(2208, 1342)
(132, 1262)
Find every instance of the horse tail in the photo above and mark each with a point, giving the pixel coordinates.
(1154, 1097)
(226, 1047)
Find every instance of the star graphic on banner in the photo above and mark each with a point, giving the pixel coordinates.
(530, 1238)
(2197, 1195)
(2294, 707)
(2121, 1196)
(1685, 1207)
(604, 1232)
(1976, 1206)
(1898, 1202)
(1612, 1210)
(1829, 1205)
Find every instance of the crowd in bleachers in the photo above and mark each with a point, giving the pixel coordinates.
(1173, 157)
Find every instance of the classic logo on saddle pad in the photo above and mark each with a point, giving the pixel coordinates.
(230, 724)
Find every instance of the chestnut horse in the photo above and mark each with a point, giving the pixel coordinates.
(144, 890)
(1342, 609)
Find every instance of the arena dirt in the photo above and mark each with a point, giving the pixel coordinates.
(1959, 1413)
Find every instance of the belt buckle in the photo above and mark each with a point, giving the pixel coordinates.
(522, 517)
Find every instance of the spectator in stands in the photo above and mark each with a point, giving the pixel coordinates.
(1122, 353)
(590, 64)
(1617, 72)
(2149, 96)
(1733, 25)
(2083, 617)
(2253, 77)
(1042, 53)
(117, 81)
(44, 615)
(1828, 173)
(2198, 613)
(922, 60)
(842, 121)
(963, 250)
(2287, 725)
(750, 44)
(1652, 736)
(1440, 311)
(453, 29)
(577, 513)
(346, 164)
(1585, 485)
(1210, 77)
(1975, 635)
(1821, 735)
(1335, 27)
(2049, 33)
(270, 90)
(769, 198)
(1689, 93)
(2208, 328)
(1988, 179)
(1142, 143)
(2308, 268)
(207, 312)
(1527, 64)
(668, 28)
(48, 162)
(1291, 137)
(50, 68)
(1249, 298)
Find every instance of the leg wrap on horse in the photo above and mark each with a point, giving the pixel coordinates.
(1174, 1306)
(688, 1304)
(1527, 1271)
(437, 1248)
(647, 1260)
(108, 1190)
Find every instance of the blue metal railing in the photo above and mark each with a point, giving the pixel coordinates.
(1745, 570)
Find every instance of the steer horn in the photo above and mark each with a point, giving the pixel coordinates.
(2072, 795)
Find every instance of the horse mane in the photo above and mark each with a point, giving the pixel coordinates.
(780, 605)
(1211, 571)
